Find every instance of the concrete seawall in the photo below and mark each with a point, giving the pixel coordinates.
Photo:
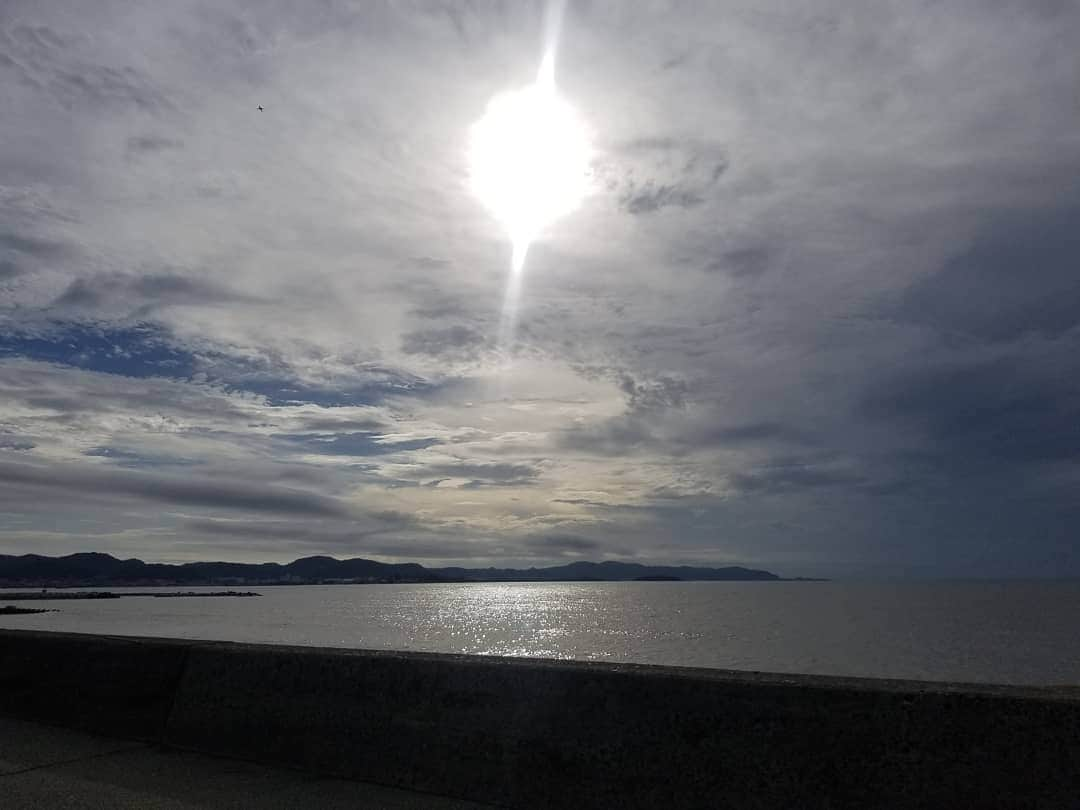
(531, 733)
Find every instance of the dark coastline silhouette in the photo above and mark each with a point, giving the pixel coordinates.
(94, 569)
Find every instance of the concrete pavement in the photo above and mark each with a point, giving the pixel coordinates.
(47, 767)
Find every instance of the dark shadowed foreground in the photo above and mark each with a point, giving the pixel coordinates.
(45, 766)
(537, 733)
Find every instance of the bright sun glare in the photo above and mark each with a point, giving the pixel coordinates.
(529, 158)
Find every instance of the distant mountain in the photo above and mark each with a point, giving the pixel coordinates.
(605, 572)
(91, 569)
(103, 569)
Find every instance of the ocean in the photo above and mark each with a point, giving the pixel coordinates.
(997, 632)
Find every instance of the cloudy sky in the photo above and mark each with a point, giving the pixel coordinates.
(819, 312)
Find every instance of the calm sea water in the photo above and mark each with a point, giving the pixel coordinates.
(994, 632)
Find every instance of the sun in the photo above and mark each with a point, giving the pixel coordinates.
(529, 159)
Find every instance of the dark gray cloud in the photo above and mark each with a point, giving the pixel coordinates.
(306, 532)
(1018, 277)
(25, 251)
(188, 491)
(360, 443)
(781, 479)
(1005, 411)
(484, 474)
(620, 436)
(745, 262)
(331, 423)
(653, 173)
(141, 294)
(647, 395)
(8, 442)
(142, 144)
(562, 543)
(649, 197)
(756, 432)
(134, 459)
(642, 393)
(31, 246)
(452, 342)
(385, 535)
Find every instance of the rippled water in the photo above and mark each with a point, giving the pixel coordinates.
(1001, 632)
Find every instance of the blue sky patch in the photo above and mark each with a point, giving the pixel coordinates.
(141, 350)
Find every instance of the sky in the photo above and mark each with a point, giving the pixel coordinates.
(819, 311)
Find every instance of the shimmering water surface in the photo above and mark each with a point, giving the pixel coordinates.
(998, 632)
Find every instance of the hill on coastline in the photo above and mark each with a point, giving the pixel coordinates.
(94, 569)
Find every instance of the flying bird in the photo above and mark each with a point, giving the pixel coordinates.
(260, 108)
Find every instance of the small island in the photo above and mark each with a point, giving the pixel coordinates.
(11, 610)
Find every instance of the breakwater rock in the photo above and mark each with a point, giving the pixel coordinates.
(46, 595)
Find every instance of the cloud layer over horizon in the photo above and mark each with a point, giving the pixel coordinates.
(820, 312)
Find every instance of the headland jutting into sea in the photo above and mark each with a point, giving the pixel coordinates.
(99, 570)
